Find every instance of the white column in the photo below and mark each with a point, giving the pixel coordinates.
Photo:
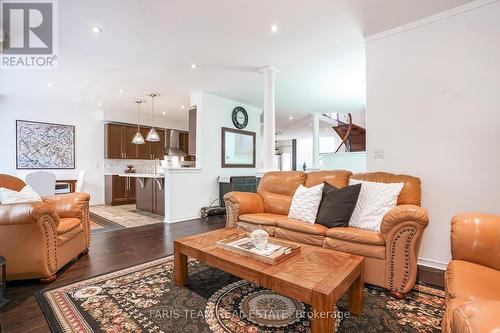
(315, 129)
(268, 137)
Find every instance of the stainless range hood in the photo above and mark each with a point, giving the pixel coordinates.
(173, 144)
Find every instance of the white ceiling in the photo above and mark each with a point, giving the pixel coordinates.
(148, 46)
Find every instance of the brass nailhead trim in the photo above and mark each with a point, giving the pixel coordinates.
(409, 237)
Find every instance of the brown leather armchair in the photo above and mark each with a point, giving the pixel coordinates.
(473, 275)
(390, 255)
(38, 238)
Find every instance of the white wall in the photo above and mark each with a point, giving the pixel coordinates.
(433, 105)
(188, 190)
(89, 132)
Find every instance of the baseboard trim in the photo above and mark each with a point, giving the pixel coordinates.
(430, 276)
(432, 263)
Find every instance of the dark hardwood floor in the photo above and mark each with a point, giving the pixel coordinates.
(109, 251)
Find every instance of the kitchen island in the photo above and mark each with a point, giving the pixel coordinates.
(150, 192)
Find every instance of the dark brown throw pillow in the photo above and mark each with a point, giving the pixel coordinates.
(337, 205)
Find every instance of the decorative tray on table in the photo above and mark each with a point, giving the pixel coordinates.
(276, 250)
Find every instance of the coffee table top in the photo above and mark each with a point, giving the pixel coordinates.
(313, 269)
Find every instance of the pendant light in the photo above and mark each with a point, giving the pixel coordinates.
(152, 135)
(138, 139)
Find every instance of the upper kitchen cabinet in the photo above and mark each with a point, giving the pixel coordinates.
(192, 132)
(118, 143)
(158, 148)
(113, 136)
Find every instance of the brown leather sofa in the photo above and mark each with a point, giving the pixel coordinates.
(38, 238)
(391, 254)
(473, 275)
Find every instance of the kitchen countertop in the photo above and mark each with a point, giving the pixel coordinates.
(142, 175)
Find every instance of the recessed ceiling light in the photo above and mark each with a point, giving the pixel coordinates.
(194, 66)
(163, 113)
(310, 124)
(99, 104)
(274, 28)
(50, 85)
(96, 30)
(122, 91)
(291, 117)
(183, 106)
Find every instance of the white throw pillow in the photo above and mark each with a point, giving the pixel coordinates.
(27, 194)
(305, 203)
(374, 201)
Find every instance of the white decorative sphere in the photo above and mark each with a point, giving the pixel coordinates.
(259, 238)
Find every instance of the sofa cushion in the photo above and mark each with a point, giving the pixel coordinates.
(337, 178)
(375, 200)
(64, 237)
(304, 227)
(249, 227)
(299, 236)
(277, 189)
(365, 250)
(410, 194)
(67, 224)
(472, 281)
(356, 235)
(337, 205)
(305, 203)
(262, 218)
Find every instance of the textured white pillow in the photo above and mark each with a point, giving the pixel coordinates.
(305, 203)
(27, 194)
(374, 201)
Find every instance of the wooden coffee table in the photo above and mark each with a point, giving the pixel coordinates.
(315, 276)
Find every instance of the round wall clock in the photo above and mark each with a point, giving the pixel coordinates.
(240, 117)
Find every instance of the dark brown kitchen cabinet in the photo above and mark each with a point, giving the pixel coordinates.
(184, 141)
(151, 198)
(113, 141)
(119, 190)
(158, 148)
(118, 143)
(192, 133)
(129, 148)
(144, 151)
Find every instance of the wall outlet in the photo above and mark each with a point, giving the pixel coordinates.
(378, 153)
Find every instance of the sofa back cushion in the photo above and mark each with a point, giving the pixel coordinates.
(277, 190)
(410, 194)
(11, 182)
(337, 178)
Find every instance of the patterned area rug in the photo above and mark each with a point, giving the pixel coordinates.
(144, 298)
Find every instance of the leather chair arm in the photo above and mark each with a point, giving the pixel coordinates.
(475, 237)
(26, 213)
(476, 317)
(69, 205)
(402, 230)
(36, 224)
(238, 203)
(403, 213)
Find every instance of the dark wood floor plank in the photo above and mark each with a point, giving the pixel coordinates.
(109, 251)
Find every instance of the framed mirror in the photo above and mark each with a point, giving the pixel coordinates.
(238, 148)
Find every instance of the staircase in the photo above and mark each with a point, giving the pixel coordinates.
(353, 136)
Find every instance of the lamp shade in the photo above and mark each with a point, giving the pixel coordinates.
(152, 135)
(138, 139)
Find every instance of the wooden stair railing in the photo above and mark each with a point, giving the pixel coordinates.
(347, 135)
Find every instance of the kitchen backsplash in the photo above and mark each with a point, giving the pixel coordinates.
(119, 166)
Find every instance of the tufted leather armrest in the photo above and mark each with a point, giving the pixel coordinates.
(402, 230)
(401, 214)
(26, 213)
(238, 203)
